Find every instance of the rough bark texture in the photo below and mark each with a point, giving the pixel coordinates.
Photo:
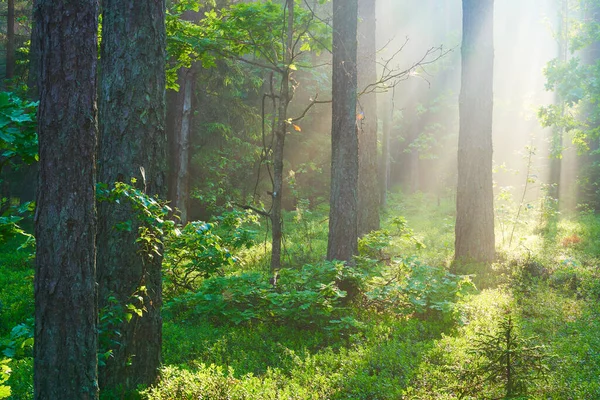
(132, 137)
(474, 199)
(342, 244)
(285, 97)
(368, 193)
(65, 362)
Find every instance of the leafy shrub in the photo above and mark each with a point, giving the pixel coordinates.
(412, 287)
(305, 298)
(200, 249)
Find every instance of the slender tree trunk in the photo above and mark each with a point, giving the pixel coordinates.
(556, 143)
(384, 173)
(34, 53)
(285, 96)
(132, 145)
(343, 235)
(66, 313)
(10, 39)
(474, 199)
(179, 182)
(368, 193)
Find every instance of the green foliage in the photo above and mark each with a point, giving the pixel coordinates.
(308, 298)
(411, 287)
(10, 220)
(200, 249)
(4, 375)
(506, 358)
(18, 137)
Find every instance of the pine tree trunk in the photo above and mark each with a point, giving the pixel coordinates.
(132, 126)
(474, 199)
(343, 235)
(65, 349)
(368, 193)
(282, 127)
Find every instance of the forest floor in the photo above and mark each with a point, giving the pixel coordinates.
(417, 326)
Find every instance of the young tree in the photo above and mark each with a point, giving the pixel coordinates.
(132, 145)
(343, 236)
(10, 39)
(474, 198)
(65, 360)
(368, 193)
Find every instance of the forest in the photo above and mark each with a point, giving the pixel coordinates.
(299, 199)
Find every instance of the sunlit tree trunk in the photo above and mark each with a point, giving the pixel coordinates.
(179, 136)
(474, 198)
(368, 193)
(384, 173)
(66, 313)
(556, 142)
(132, 145)
(285, 97)
(342, 244)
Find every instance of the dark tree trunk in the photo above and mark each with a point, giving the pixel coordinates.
(474, 198)
(65, 349)
(368, 193)
(343, 236)
(10, 39)
(34, 54)
(285, 97)
(132, 140)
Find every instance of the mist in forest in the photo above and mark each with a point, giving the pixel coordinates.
(425, 117)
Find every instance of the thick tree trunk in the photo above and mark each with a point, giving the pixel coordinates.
(474, 199)
(368, 193)
(343, 235)
(65, 349)
(285, 96)
(10, 39)
(132, 140)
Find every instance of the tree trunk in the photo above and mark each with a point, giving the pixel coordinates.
(343, 235)
(34, 53)
(368, 193)
(179, 182)
(474, 198)
(132, 145)
(65, 349)
(384, 173)
(10, 39)
(282, 126)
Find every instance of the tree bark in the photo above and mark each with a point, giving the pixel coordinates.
(179, 182)
(474, 199)
(132, 145)
(368, 193)
(285, 97)
(65, 349)
(343, 234)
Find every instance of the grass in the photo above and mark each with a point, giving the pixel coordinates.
(547, 279)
